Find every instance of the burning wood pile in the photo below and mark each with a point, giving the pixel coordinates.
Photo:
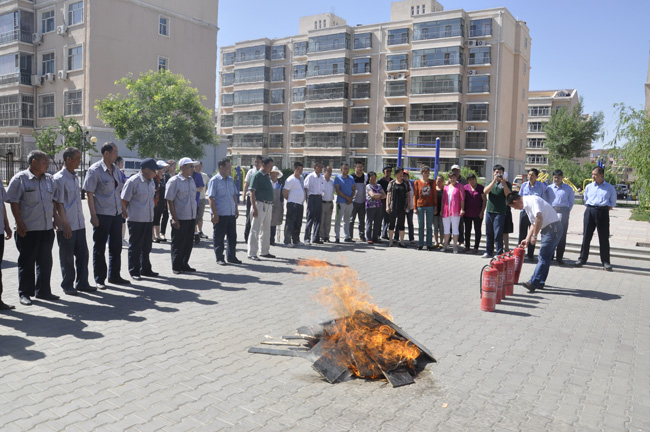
(361, 341)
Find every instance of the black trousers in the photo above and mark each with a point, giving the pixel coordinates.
(385, 220)
(227, 227)
(74, 248)
(596, 219)
(139, 247)
(249, 217)
(524, 225)
(164, 219)
(293, 223)
(314, 210)
(35, 249)
(408, 221)
(109, 230)
(396, 218)
(477, 222)
(182, 243)
(358, 212)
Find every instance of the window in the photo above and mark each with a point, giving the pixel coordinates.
(477, 165)
(16, 26)
(536, 143)
(249, 140)
(397, 62)
(228, 79)
(227, 120)
(439, 29)
(277, 96)
(526, 42)
(525, 68)
(227, 99)
(361, 91)
(300, 71)
(476, 141)
(251, 75)
(297, 140)
(250, 97)
(228, 58)
(363, 41)
(360, 115)
(325, 139)
(391, 139)
(277, 118)
(412, 10)
(252, 118)
(539, 111)
(395, 114)
(327, 91)
(75, 58)
(163, 64)
(361, 65)
(75, 13)
(523, 93)
(446, 111)
(359, 140)
(326, 115)
(437, 57)
(300, 48)
(47, 63)
(423, 139)
(396, 88)
(479, 84)
(298, 117)
(536, 127)
(335, 66)
(259, 52)
(537, 160)
(477, 112)
(398, 36)
(163, 26)
(16, 110)
(46, 106)
(278, 52)
(479, 56)
(276, 141)
(423, 10)
(299, 94)
(432, 84)
(277, 74)
(329, 42)
(480, 27)
(72, 104)
(47, 21)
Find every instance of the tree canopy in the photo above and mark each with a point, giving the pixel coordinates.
(569, 133)
(159, 116)
(46, 139)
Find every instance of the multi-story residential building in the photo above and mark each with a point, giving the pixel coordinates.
(337, 93)
(541, 104)
(59, 57)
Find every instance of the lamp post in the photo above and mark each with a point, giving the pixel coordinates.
(82, 135)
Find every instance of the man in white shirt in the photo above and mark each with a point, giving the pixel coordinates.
(328, 204)
(247, 183)
(314, 191)
(294, 194)
(543, 219)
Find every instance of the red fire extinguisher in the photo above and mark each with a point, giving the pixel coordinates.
(509, 260)
(489, 279)
(500, 267)
(518, 253)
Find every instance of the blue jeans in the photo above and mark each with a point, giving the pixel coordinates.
(69, 249)
(551, 236)
(494, 223)
(425, 213)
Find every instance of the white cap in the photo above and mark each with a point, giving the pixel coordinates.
(277, 170)
(187, 161)
(453, 167)
(162, 164)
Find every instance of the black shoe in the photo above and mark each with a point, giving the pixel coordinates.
(607, 267)
(119, 281)
(403, 246)
(189, 269)
(177, 272)
(420, 247)
(234, 261)
(86, 289)
(317, 242)
(221, 262)
(273, 256)
(560, 262)
(362, 239)
(5, 306)
(337, 241)
(150, 274)
(254, 258)
(25, 301)
(348, 240)
(326, 240)
(136, 277)
(579, 263)
(431, 248)
(197, 238)
(72, 292)
(530, 287)
(50, 297)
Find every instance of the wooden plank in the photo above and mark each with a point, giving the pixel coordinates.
(399, 377)
(382, 319)
(279, 352)
(330, 370)
(285, 343)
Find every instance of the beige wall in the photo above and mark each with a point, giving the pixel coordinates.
(319, 21)
(401, 10)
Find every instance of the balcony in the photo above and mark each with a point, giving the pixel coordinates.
(15, 36)
(17, 77)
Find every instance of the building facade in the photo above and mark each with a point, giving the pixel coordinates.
(336, 92)
(540, 106)
(58, 57)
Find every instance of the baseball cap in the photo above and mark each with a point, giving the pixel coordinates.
(149, 163)
(187, 161)
(162, 164)
(455, 167)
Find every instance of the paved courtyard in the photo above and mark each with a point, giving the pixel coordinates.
(171, 353)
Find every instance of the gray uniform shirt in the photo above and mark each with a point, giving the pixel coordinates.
(182, 191)
(139, 192)
(35, 198)
(67, 192)
(106, 188)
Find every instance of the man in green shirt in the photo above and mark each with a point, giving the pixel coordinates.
(261, 197)
(495, 218)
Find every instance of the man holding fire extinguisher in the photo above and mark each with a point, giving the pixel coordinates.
(543, 219)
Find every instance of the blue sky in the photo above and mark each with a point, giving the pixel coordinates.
(601, 48)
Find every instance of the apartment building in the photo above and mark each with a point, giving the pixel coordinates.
(540, 106)
(57, 57)
(336, 92)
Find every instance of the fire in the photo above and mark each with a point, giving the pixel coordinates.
(356, 339)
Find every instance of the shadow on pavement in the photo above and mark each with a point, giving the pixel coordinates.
(35, 325)
(596, 295)
(507, 312)
(16, 347)
(521, 305)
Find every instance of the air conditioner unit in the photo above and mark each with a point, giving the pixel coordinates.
(37, 38)
(470, 128)
(471, 43)
(49, 77)
(471, 72)
(36, 80)
(63, 74)
(400, 129)
(401, 76)
(390, 77)
(62, 30)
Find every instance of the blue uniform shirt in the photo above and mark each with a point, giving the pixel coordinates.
(346, 185)
(224, 193)
(603, 195)
(539, 189)
(564, 196)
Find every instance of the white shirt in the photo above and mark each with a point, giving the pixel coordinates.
(249, 176)
(328, 189)
(534, 204)
(314, 184)
(296, 190)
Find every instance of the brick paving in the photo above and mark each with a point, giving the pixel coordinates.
(171, 354)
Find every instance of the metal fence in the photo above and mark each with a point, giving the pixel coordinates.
(9, 167)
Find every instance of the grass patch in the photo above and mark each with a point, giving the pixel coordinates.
(640, 214)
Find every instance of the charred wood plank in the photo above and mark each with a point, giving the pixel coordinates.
(279, 352)
(284, 343)
(399, 377)
(382, 319)
(331, 370)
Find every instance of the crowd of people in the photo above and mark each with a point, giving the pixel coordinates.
(46, 206)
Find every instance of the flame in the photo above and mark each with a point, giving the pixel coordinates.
(356, 339)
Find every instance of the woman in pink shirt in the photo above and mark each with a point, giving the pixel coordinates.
(453, 208)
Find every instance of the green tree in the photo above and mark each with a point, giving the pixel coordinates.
(160, 115)
(46, 141)
(569, 133)
(633, 128)
(577, 173)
